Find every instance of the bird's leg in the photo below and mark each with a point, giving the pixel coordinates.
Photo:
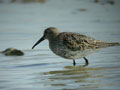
(86, 61)
(74, 63)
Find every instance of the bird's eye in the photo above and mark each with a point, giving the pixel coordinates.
(46, 31)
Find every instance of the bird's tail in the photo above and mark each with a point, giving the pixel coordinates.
(107, 44)
(113, 44)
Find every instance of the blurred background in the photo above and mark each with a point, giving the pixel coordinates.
(22, 23)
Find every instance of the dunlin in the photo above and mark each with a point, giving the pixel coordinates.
(72, 45)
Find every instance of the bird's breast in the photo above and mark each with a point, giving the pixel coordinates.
(61, 50)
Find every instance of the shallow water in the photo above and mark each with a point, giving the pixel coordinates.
(40, 69)
(21, 25)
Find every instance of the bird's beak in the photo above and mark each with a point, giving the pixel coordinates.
(41, 39)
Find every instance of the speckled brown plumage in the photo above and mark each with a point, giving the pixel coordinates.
(72, 45)
(75, 41)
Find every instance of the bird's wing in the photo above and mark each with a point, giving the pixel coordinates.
(76, 41)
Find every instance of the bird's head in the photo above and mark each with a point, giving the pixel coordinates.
(49, 34)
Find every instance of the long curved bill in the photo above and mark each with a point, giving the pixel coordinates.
(41, 39)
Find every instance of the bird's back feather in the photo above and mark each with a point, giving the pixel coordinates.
(75, 42)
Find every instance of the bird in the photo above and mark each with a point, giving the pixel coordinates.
(70, 45)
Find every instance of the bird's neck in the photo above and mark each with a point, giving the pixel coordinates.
(53, 38)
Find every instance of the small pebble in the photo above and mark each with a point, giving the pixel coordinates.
(12, 52)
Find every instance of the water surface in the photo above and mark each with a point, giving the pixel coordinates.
(21, 25)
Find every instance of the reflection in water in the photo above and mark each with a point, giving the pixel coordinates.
(78, 77)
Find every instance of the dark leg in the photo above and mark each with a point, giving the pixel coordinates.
(86, 61)
(74, 63)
